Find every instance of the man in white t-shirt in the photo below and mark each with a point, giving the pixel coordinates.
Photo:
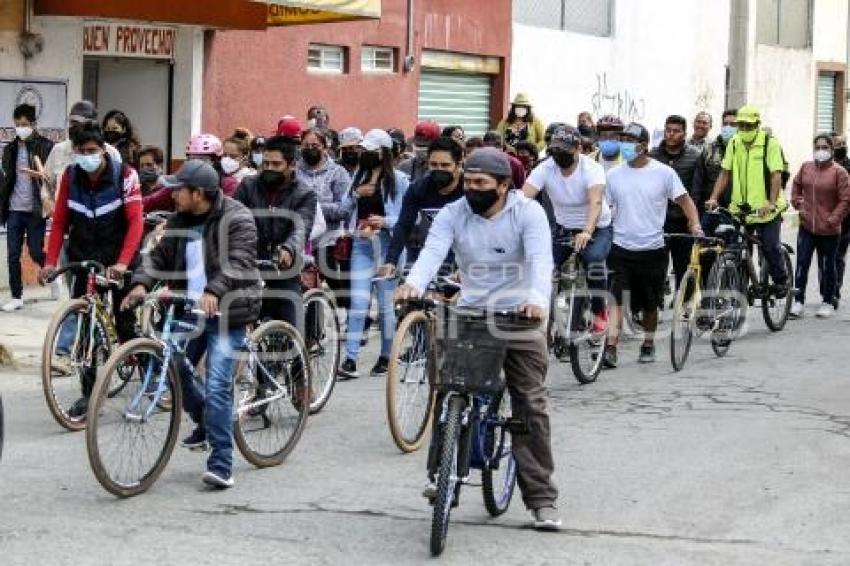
(575, 185)
(638, 192)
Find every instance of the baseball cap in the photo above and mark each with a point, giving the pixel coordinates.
(350, 136)
(193, 173)
(636, 131)
(565, 136)
(748, 114)
(83, 111)
(426, 132)
(289, 127)
(376, 139)
(488, 160)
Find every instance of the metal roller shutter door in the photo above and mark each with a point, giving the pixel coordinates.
(826, 102)
(455, 99)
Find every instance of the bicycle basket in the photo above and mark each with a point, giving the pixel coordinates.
(471, 358)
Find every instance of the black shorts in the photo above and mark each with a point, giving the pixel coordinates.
(641, 273)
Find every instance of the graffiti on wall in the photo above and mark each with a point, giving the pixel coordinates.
(705, 97)
(619, 102)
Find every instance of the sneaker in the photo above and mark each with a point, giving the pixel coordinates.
(826, 310)
(195, 441)
(57, 289)
(79, 409)
(647, 354)
(609, 358)
(797, 310)
(600, 322)
(430, 491)
(217, 481)
(348, 369)
(546, 519)
(381, 367)
(13, 305)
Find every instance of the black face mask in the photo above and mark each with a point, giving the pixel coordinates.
(113, 137)
(441, 179)
(481, 201)
(840, 153)
(148, 175)
(564, 159)
(349, 158)
(370, 160)
(311, 156)
(272, 179)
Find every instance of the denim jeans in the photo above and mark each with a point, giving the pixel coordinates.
(826, 247)
(212, 408)
(840, 255)
(21, 225)
(771, 243)
(593, 258)
(366, 255)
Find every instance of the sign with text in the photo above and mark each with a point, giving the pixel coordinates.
(108, 39)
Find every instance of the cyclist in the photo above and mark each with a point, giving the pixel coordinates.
(207, 147)
(575, 185)
(99, 207)
(416, 167)
(608, 130)
(502, 246)
(755, 165)
(521, 124)
(208, 251)
(349, 149)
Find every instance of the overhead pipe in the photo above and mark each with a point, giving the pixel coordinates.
(410, 58)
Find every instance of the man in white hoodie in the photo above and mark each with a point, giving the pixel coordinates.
(503, 248)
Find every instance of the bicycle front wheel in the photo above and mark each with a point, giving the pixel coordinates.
(498, 478)
(775, 309)
(273, 394)
(725, 303)
(684, 318)
(322, 339)
(585, 347)
(448, 483)
(412, 367)
(130, 435)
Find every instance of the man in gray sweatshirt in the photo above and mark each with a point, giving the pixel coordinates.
(503, 248)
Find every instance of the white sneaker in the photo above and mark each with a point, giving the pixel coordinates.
(213, 479)
(825, 311)
(797, 310)
(13, 305)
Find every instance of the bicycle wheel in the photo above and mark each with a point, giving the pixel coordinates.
(776, 309)
(412, 367)
(130, 436)
(69, 359)
(585, 347)
(448, 485)
(498, 478)
(322, 339)
(684, 318)
(273, 391)
(725, 305)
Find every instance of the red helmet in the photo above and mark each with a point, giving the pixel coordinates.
(204, 144)
(289, 127)
(609, 123)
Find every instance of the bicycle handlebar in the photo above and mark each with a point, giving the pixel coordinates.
(712, 241)
(78, 266)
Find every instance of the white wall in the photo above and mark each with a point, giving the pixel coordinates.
(654, 65)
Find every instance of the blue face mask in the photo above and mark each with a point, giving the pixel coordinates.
(609, 148)
(88, 163)
(726, 132)
(257, 158)
(629, 151)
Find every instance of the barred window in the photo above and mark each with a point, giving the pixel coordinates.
(326, 58)
(785, 23)
(592, 17)
(377, 59)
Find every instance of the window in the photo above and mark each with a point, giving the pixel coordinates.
(784, 23)
(326, 58)
(592, 17)
(829, 102)
(377, 59)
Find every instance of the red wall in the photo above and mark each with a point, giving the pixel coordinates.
(253, 78)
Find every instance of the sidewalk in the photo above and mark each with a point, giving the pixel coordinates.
(22, 332)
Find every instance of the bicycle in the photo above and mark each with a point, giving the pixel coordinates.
(133, 426)
(474, 424)
(570, 329)
(412, 366)
(689, 315)
(79, 339)
(737, 273)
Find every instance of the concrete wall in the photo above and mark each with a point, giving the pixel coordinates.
(655, 64)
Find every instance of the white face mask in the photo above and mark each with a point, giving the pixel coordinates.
(229, 165)
(822, 155)
(520, 111)
(23, 132)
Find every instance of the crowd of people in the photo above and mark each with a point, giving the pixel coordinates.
(513, 204)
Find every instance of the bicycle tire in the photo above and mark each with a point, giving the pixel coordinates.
(296, 396)
(497, 498)
(57, 409)
(776, 324)
(416, 321)
(682, 323)
(447, 480)
(129, 354)
(593, 352)
(327, 347)
(724, 286)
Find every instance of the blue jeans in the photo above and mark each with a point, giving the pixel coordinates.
(366, 255)
(771, 244)
(212, 409)
(21, 225)
(592, 258)
(827, 247)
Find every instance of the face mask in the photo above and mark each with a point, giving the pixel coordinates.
(23, 132)
(727, 132)
(311, 156)
(349, 158)
(88, 163)
(112, 136)
(564, 159)
(370, 160)
(629, 151)
(148, 175)
(609, 148)
(257, 158)
(586, 131)
(441, 179)
(822, 155)
(748, 137)
(311, 123)
(841, 153)
(481, 201)
(520, 112)
(229, 165)
(272, 179)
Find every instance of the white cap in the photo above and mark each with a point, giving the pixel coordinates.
(350, 136)
(376, 139)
